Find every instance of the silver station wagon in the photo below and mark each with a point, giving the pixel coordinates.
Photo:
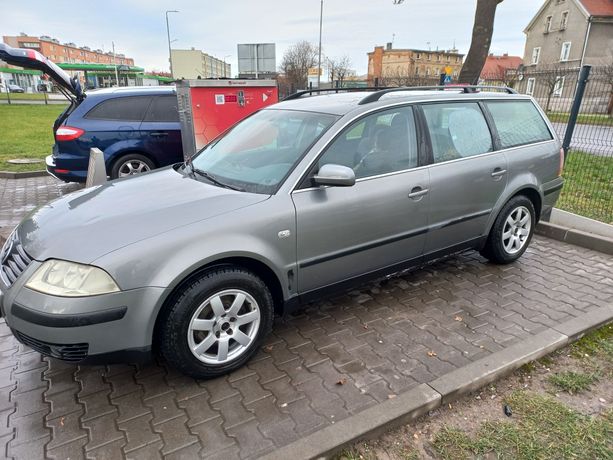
(316, 193)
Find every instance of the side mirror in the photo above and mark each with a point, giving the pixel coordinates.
(335, 175)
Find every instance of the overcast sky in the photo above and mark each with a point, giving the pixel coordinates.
(350, 27)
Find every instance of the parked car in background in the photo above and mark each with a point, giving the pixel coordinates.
(307, 196)
(137, 128)
(15, 88)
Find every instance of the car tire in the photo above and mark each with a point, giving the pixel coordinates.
(200, 333)
(512, 231)
(131, 162)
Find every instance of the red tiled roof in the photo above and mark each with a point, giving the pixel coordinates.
(598, 7)
(495, 66)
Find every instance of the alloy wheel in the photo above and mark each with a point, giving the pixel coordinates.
(516, 230)
(131, 167)
(223, 326)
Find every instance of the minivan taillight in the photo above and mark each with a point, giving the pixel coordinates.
(561, 167)
(68, 133)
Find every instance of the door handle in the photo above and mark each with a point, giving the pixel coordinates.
(498, 172)
(418, 192)
(159, 134)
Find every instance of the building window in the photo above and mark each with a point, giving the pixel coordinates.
(564, 21)
(565, 54)
(429, 57)
(559, 86)
(548, 24)
(438, 57)
(536, 54)
(427, 72)
(418, 56)
(530, 86)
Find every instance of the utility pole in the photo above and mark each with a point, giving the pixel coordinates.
(321, 16)
(169, 50)
(115, 64)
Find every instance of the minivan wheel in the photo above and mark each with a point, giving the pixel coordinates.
(216, 324)
(131, 164)
(512, 231)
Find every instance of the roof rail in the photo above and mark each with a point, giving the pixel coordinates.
(373, 97)
(299, 94)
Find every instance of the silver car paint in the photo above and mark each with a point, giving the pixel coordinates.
(151, 231)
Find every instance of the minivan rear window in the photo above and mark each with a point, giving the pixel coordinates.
(131, 108)
(518, 123)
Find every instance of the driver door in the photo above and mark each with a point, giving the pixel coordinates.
(380, 221)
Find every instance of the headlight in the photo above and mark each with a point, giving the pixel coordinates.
(69, 279)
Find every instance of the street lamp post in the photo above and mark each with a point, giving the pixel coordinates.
(169, 50)
(321, 15)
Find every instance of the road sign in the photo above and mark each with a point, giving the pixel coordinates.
(448, 70)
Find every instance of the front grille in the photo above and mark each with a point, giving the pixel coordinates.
(13, 260)
(73, 352)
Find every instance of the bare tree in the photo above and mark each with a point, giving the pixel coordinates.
(338, 69)
(551, 77)
(402, 77)
(483, 29)
(297, 61)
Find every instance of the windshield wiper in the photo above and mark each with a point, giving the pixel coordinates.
(214, 180)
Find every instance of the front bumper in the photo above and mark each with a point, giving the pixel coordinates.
(105, 328)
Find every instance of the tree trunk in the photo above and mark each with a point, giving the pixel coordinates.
(481, 40)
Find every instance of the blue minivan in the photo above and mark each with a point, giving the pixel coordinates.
(137, 128)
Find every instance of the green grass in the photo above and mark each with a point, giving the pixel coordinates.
(27, 132)
(23, 96)
(541, 428)
(588, 186)
(573, 382)
(596, 343)
(582, 118)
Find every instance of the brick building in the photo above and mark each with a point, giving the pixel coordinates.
(497, 68)
(66, 52)
(388, 62)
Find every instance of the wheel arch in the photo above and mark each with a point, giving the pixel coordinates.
(255, 266)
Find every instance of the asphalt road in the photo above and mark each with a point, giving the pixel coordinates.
(594, 139)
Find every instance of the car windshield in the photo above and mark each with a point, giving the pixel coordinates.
(257, 153)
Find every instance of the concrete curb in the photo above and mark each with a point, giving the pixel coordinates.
(577, 237)
(22, 175)
(426, 397)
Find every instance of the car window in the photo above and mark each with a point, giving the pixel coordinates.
(258, 152)
(380, 143)
(518, 123)
(121, 108)
(457, 130)
(163, 108)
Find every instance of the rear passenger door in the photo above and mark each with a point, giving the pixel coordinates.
(161, 130)
(466, 176)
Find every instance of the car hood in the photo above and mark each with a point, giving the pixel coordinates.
(32, 59)
(87, 224)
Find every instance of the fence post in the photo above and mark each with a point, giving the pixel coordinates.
(574, 111)
(8, 93)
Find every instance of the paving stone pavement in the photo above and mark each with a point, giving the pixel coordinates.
(332, 360)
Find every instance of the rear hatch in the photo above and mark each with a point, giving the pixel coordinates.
(32, 59)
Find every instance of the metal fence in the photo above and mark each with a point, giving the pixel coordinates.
(588, 170)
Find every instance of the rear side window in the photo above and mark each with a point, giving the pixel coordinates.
(163, 108)
(457, 130)
(121, 108)
(518, 123)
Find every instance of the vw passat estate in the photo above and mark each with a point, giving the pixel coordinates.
(312, 194)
